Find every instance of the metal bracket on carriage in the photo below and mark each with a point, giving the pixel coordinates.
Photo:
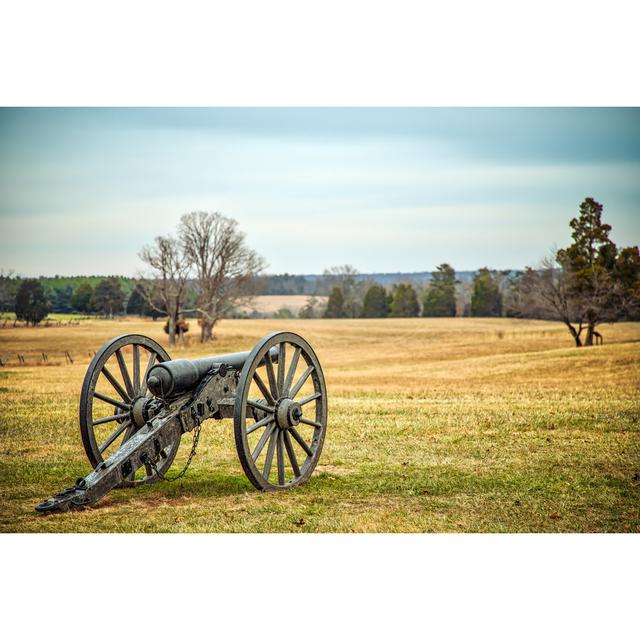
(214, 397)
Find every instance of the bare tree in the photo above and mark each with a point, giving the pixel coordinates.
(169, 281)
(546, 292)
(225, 267)
(345, 277)
(550, 292)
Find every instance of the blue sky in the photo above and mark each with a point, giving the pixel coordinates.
(81, 190)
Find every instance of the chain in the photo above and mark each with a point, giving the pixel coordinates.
(192, 453)
(196, 431)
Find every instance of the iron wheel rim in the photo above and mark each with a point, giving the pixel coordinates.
(134, 387)
(281, 451)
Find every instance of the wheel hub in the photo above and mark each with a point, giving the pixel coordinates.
(139, 411)
(288, 413)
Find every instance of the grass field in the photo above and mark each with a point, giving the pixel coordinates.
(434, 425)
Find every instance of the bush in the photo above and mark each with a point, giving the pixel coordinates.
(31, 302)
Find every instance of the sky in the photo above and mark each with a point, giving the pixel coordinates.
(382, 189)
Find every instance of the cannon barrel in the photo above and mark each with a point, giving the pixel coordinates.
(174, 377)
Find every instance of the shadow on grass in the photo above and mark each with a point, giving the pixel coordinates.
(220, 484)
(372, 483)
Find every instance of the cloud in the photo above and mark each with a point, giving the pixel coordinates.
(85, 189)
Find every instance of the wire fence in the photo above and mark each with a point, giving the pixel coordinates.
(44, 359)
(12, 323)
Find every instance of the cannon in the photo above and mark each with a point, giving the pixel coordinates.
(136, 404)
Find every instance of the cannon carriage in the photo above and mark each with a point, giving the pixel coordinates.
(136, 404)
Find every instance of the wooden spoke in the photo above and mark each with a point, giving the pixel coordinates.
(292, 370)
(280, 457)
(125, 373)
(115, 416)
(291, 453)
(269, 458)
(262, 407)
(281, 365)
(311, 398)
(311, 423)
(300, 440)
(263, 440)
(303, 379)
(271, 375)
(263, 388)
(136, 368)
(115, 384)
(111, 401)
(261, 423)
(109, 441)
(152, 361)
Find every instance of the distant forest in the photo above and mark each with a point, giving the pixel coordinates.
(321, 285)
(60, 289)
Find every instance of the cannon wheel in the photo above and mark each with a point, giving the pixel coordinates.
(119, 370)
(280, 421)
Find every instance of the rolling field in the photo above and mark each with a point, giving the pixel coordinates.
(435, 425)
(272, 303)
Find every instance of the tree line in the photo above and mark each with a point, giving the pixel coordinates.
(440, 298)
(206, 270)
(32, 301)
(583, 285)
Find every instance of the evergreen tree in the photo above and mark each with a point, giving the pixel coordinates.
(108, 297)
(440, 297)
(405, 302)
(376, 303)
(604, 285)
(335, 305)
(31, 302)
(486, 300)
(626, 274)
(81, 298)
(137, 304)
(62, 300)
(9, 286)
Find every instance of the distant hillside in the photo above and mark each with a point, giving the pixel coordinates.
(58, 289)
(61, 282)
(315, 284)
(272, 285)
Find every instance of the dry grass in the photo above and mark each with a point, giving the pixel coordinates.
(435, 425)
